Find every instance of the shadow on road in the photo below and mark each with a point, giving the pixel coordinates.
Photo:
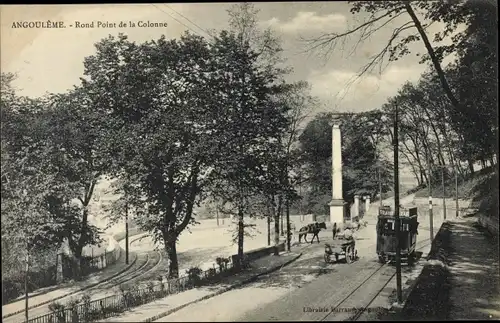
(302, 271)
(471, 281)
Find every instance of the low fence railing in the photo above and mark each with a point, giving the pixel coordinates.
(89, 311)
(88, 264)
(13, 287)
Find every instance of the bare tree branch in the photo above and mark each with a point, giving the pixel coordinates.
(333, 37)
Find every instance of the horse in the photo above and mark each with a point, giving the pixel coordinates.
(313, 228)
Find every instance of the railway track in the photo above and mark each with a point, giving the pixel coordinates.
(372, 284)
(147, 269)
(70, 293)
(143, 265)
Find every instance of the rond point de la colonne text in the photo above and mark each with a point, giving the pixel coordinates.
(49, 24)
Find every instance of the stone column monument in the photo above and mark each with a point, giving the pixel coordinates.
(367, 204)
(337, 207)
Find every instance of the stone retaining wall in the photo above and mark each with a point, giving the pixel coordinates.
(490, 223)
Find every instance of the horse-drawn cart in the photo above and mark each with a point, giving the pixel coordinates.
(341, 247)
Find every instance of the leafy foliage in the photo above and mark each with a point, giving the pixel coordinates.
(435, 132)
(360, 160)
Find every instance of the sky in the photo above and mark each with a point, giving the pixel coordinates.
(51, 60)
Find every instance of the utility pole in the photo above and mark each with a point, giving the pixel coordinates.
(300, 193)
(380, 185)
(379, 168)
(456, 192)
(288, 242)
(26, 282)
(429, 184)
(397, 208)
(444, 193)
(126, 233)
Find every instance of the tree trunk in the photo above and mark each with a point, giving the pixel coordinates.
(269, 229)
(173, 263)
(217, 215)
(281, 223)
(432, 54)
(78, 261)
(269, 215)
(277, 227)
(436, 134)
(241, 234)
(471, 166)
(288, 227)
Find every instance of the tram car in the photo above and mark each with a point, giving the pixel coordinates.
(386, 235)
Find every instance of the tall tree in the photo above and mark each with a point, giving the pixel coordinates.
(421, 15)
(359, 158)
(75, 129)
(160, 108)
(243, 21)
(248, 123)
(28, 177)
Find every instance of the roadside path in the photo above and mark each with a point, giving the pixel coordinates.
(475, 279)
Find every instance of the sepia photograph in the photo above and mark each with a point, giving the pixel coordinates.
(250, 161)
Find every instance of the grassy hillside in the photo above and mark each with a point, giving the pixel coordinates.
(480, 187)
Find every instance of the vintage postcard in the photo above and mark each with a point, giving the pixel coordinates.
(281, 161)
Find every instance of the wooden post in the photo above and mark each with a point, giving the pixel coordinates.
(26, 277)
(380, 185)
(396, 208)
(456, 193)
(429, 184)
(126, 234)
(444, 193)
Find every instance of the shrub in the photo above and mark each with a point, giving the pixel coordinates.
(211, 274)
(151, 286)
(245, 262)
(194, 276)
(58, 311)
(85, 300)
(73, 306)
(73, 302)
(10, 290)
(222, 263)
(56, 306)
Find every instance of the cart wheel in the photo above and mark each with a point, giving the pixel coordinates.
(382, 259)
(348, 255)
(327, 258)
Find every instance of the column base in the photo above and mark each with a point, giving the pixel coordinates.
(337, 211)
